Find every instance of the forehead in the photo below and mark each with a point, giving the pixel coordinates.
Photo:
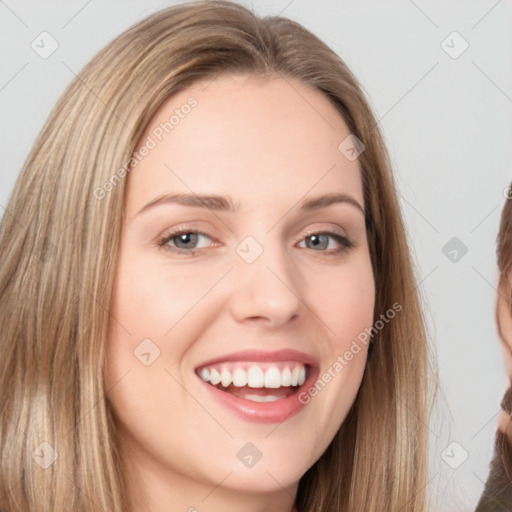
(253, 138)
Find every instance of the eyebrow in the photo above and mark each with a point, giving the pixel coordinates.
(225, 203)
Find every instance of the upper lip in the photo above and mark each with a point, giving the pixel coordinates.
(264, 356)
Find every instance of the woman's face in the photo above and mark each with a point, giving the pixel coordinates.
(244, 258)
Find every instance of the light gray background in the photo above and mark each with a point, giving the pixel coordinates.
(448, 126)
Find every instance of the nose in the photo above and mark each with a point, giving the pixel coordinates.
(267, 291)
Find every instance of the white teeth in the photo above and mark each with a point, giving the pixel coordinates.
(295, 376)
(214, 376)
(286, 377)
(225, 377)
(257, 398)
(273, 378)
(255, 377)
(239, 378)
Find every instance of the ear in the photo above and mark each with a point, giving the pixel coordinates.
(504, 323)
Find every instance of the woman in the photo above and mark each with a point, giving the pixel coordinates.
(207, 297)
(497, 495)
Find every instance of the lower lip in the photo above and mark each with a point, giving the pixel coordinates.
(263, 412)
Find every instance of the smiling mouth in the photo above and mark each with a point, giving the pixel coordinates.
(256, 381)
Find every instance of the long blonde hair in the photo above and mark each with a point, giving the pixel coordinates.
(59, 246)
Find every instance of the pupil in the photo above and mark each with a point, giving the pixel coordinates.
(316, 241)
(186, 238)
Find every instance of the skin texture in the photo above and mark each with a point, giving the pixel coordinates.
(268, 146)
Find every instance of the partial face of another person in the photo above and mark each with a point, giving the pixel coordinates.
(264, 284)
(504, 318)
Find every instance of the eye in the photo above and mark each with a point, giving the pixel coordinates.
(333, 242)
(185, 241)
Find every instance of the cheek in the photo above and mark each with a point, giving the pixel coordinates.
(345, 305)
(345, 301)
(151, 299)
(157, 313)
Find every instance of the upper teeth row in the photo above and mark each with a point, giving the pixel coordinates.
(255, 377)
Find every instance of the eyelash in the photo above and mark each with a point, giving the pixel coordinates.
(343, 241)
